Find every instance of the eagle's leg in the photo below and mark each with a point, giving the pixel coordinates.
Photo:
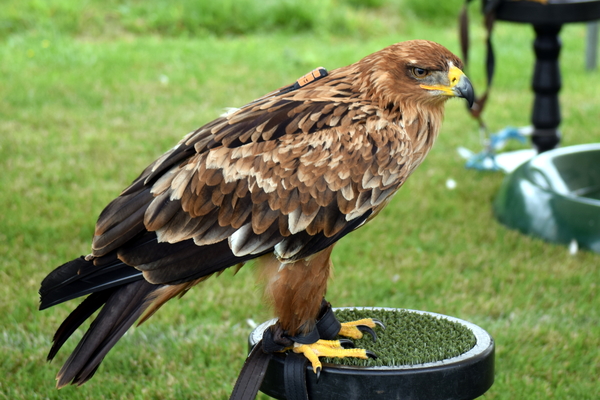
(297, 290)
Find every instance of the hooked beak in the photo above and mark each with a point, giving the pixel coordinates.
(460, 86)
(464, 88)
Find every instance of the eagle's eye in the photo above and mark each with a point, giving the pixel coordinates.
(419, 72)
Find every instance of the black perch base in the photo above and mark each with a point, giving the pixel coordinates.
(463, 377)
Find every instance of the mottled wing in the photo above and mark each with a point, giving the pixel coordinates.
(291, 174)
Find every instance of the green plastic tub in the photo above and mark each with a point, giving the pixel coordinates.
(555, 196)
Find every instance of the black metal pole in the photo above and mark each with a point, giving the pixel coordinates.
(546, 85)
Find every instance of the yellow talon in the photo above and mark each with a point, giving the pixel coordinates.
(327, 348)
(349, 329)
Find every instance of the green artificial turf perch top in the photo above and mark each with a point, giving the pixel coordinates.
(409, 338)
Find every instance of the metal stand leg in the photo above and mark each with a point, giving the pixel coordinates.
(546, 85)
(591, 46)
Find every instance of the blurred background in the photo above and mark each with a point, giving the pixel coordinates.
(93, 91)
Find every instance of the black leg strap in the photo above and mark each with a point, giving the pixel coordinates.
(327, 325)
(252, 374)
(275, 340)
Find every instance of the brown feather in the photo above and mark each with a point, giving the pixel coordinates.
(262, 217)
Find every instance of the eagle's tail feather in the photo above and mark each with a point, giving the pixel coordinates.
(81, 277)
(85, 310)
(122, 307)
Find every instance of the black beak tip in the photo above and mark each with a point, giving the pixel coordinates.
(470, 97)
(465, 88)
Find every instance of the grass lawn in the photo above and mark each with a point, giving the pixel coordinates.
(85, 106)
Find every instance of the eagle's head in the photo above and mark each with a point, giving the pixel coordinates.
(417, 73)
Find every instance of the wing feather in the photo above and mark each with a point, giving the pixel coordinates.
(271, 176)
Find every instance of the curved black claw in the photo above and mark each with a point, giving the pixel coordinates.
(370, 354)
(347, 344)
(378, 322)
(364, 328)
(318, 372)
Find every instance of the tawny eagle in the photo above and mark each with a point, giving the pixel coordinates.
(279, 180)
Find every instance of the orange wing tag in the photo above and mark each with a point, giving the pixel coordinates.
(313, 75)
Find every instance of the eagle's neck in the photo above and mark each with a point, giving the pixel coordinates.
(422, 127)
